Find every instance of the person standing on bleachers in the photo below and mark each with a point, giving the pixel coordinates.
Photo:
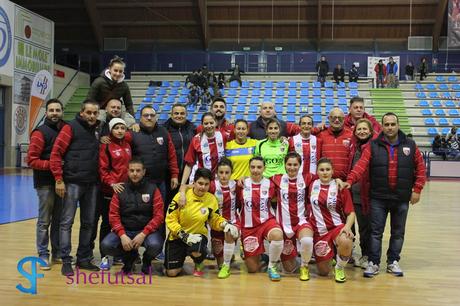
(423, 68)
(339, 74)
(392, 73)
(219, 109)
(380, 74)
(409, 71)
(111, 84)
(74, 163)
(322, 69)
(49, 203)
(356, 111)
(267, 112)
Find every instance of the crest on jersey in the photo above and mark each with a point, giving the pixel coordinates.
(145, 197)
(406, 151)
(160, 140)
(346, 142)
(203, 210)
(313, 147)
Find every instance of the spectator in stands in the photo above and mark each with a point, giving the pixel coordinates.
(49, 203)
(423, 68)
(339, 74)
(205, 71)
(322, 69)
(154, 145)
(113, 170)
(392, 73)
(219, 109)
(336, 143)
(380, 74)
(114, 110)
(136, 217)
(192, 79)
(236, 74)
(452, 134)
(453, 144)
(267, 112)
(397, 177)
(438, 147)
(193, 95)
(221, 81)
(356, 112)
(212, 81)
(410, 71)
(74, 164)
(353, 74)
(111, 84)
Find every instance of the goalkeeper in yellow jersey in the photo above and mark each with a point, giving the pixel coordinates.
(187, 225)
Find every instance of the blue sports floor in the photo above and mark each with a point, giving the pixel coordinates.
(18, 199)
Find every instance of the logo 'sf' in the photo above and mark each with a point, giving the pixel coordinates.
(32, 276)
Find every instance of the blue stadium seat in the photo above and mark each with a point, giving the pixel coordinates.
(255, 92)
(455, 86)
(421, 95)
(229, 108)
(429, 121)
(291, 109)
(165, 84)
(353, 85)
(158, 99)
(241, 109)
(175, 91)
(292, 84)
(171, 99)
(176, 84)
(439, 112)
(449, 103)
(292, 92)
(457, 95)
(304, 92)
(183, 99)
(453, 112)
(433, 95)
(329, 101)
(255, 100)
(239, 116)
(341, 93)
(162, 91)
(316, 100)
(253, 108)
(437, 103)
(147, 99)
(279, 108)
(269, 84)
(166, 108)
(268, 92)
(419, 86)
(317, 118)
(452, 78)
(279, 100)
(230, 100)
(430, 87)
(443, 121)
(137, 116)
(245, 84)
(329, 108)
(354, 93)
(280, 92)
(443, 87)
(317, 92)
(234, 84)
(252, 117)
(257, 84)
(291, 118)
(343, 101)
(244, 92)
(292, 100)
(328, 84)
(423, 103)
(329, 92)
(445, 131)
(341, 85)
(440, 78)
(317, 109)
(344, 108)
(231, 92)
(280, 84)
(426, 112)
(456, 122)
(432, 131)
(150, 90)
(304, 84)
(184, 91)
(303, 100)
(242, 100)
(316, 85)
(446, 95)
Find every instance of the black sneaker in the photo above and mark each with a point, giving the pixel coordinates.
(146, 266)
(127, 268)
(87, 265)
(67, 269)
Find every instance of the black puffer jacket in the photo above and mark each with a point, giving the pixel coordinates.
(181, 137)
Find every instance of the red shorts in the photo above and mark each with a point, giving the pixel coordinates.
(253, 238)
(323, 246)
(290, 244)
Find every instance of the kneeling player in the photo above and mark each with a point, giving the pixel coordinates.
(326, 212)
(187, 225)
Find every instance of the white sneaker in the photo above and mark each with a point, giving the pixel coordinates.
(363, 262)
(371, 270)
(395, 269)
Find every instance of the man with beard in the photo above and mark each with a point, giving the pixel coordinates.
(49, 203)
(267, 112)
(356, 112)
(219, 109)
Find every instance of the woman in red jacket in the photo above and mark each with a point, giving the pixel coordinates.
(113, 170)
(360, 191)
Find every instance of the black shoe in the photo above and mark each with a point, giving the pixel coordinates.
(127, 268)
(67, 269)
(146, 265)
(87, 265)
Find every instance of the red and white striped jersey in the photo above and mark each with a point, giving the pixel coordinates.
(309, 149)
(328, 207)
(254, 201)
(226, 197)
(291, 197)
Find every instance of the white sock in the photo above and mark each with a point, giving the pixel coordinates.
(228, 252)
(341, 261)
(306, 249)
(274, 252)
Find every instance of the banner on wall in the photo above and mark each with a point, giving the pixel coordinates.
(33, 63)
(6, 37)
(373, 60)
(453, 24)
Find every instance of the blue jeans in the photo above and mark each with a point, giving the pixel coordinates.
(153, 243)
(49, 210)
(398, 214)
(86, 196)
